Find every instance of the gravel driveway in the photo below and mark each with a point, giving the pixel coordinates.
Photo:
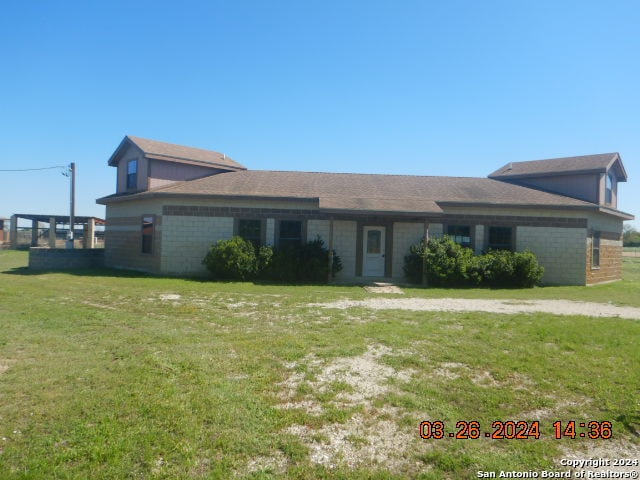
(557, 307)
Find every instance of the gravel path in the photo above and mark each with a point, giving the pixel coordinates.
(557, 307)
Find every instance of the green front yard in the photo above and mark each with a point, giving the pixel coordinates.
(116, 375)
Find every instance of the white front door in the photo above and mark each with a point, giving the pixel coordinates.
(373, 252)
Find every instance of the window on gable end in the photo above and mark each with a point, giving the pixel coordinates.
(608, 191)
(132, 174)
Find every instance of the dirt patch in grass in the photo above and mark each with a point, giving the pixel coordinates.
(555, 411)
(556, 307)
(362, 440)
(277, 463)
(365, 438)
(170, 297)
(384, 288)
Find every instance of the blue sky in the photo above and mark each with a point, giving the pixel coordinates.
(410, 87)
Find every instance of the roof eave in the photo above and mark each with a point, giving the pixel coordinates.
(546, 174)
(587, 207)
(617, 213)
(189, 161)
(517, 205)
(119, 198)
(395, 213)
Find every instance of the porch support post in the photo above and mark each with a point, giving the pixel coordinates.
(330, 276)
(13, 234)
(89, 234)
(34, 233)
(424, 258)
(52, 232)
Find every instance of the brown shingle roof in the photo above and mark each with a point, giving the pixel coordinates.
(176, 153)
(569, 165)
(367, 192)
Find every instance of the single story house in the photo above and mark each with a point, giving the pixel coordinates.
(173, 202)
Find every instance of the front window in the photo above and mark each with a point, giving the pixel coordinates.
(132, 174)
(147, 234)
(290, 234)
(460, 234)
(500, 238)
(250, 230)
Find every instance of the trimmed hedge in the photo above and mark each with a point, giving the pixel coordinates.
(238, 259)
(449, 264)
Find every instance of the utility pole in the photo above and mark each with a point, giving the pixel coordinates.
(72, 219)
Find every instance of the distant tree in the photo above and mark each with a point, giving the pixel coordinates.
(630, 236)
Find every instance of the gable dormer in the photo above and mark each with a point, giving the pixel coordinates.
(592, 178)
(147, 164)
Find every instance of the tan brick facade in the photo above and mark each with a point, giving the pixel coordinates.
(610, 268)
(123, 242)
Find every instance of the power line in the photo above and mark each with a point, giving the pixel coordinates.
(32, 169)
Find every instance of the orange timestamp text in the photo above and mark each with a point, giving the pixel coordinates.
(514, 430)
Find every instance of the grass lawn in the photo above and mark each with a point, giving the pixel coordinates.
(116, 375)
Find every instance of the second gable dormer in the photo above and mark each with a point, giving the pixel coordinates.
(147, 164)
(592, 178)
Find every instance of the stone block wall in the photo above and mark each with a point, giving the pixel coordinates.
(344, 243)
(271, 231)
(186, 240)
(404, 236)
(59, 259)
(479, 239)
(318, 227)
(561, 251)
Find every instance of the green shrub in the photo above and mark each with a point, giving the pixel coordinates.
(449, 264)
(238, 259)
(496, 268)
(413, 263)
(308, 263)
(527, 271)
(233, 259)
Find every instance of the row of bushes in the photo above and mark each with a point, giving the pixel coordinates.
(449, 264)
(443, 262)
(239, 259)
